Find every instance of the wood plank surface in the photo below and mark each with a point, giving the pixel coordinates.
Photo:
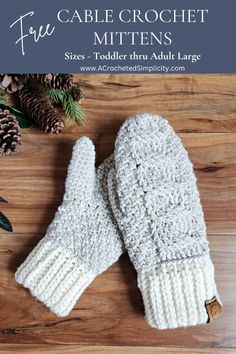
(75, 349)
(109, 316)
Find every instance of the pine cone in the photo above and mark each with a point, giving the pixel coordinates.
(38, 107)
(56, 81)
(76, 92)
(15, 82)
(12, 82)
(10, 135)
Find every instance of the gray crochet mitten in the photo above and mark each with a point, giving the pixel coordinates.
(82, 241)
(155, 200)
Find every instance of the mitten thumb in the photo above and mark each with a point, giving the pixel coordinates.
(81, 171)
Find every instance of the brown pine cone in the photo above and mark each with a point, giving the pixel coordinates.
(76, 92)
(38, 107)
(56, 81)
(10, 136)
(12, 82)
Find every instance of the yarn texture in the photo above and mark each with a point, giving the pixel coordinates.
(154, 196)
(82, 241)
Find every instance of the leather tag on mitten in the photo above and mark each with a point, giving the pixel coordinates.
(214, 309)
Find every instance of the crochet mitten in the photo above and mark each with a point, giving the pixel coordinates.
(82, 241)
(155, 200)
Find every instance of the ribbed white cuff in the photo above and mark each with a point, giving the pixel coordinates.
(54, 277)
(175, 293)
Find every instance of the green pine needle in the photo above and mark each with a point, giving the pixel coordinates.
(72, 109)
(56, 95)
(2, 98)
(20, 117)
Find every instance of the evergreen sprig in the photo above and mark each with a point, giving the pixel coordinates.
(5, 224)
(56, 95)
(2, 98)
(72, 109)
(20, 117)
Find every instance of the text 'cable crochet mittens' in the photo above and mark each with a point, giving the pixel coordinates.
(82, 241)
(155, 200)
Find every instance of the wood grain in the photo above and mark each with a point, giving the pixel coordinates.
(191, 103)
(75, 349)
(109, 317)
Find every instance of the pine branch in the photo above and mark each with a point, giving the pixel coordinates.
(5, 223)
(56, 95)
(20, 117)
(72, 109)
(2, 98)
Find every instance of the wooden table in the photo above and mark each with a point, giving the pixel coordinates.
(109, 316)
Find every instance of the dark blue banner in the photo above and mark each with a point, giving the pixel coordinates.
(165, 36)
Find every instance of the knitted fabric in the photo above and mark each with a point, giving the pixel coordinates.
(154, 197)
(81, 242)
